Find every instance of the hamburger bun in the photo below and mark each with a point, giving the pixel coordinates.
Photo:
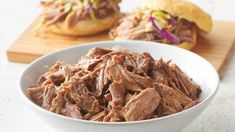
(82, 27)
(183, 9)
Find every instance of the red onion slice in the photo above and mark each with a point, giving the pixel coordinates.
(163, 33)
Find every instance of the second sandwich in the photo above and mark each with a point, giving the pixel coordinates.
(175, 22)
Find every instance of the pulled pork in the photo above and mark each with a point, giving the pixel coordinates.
(142, 105)
(163, 28)
(75, 10)
(113, 85)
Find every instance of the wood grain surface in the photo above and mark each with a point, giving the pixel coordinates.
(215, 47)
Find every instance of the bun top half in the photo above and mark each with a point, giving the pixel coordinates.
(182, 9)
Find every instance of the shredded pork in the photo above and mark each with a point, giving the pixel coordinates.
(113, 85)
(132, 27)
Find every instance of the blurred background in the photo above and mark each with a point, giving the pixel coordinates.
(16, 15)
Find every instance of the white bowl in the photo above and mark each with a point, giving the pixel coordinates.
(195, 66)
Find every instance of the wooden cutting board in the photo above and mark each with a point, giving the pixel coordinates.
(215, 47)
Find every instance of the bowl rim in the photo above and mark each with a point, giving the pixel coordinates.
(34, 105)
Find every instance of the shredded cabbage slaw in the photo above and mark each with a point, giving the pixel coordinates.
(162, 32)
(159, 22)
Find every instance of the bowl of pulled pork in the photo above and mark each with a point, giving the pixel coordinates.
(119, 86)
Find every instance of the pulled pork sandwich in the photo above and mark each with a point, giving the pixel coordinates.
(175, 22)
(78, 17)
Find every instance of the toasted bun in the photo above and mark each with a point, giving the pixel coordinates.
(187, 45)
(82, 27)
(182, 9)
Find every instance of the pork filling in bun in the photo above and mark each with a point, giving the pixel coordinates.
(74, 13)
(157, 26)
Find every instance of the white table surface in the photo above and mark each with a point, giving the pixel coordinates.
(16, 15)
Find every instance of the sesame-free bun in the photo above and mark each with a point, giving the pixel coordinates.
(189, 45)
(182, 9)
(82, 27)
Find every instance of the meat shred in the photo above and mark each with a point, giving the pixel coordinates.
(113, 85)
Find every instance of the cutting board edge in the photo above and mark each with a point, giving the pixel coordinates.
(19, 57)
(229, 54)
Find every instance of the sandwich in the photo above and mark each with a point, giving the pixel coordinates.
(175, 22)
(78, 17)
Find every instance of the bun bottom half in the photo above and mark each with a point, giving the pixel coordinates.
(82, 27)
(190, 45)
(184, 45)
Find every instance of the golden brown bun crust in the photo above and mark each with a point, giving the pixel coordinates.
(182, 9)
(187, 45)
(82, 27)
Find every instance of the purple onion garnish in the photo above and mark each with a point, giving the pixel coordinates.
(163, 33)
(172, 21)
(89, 7)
